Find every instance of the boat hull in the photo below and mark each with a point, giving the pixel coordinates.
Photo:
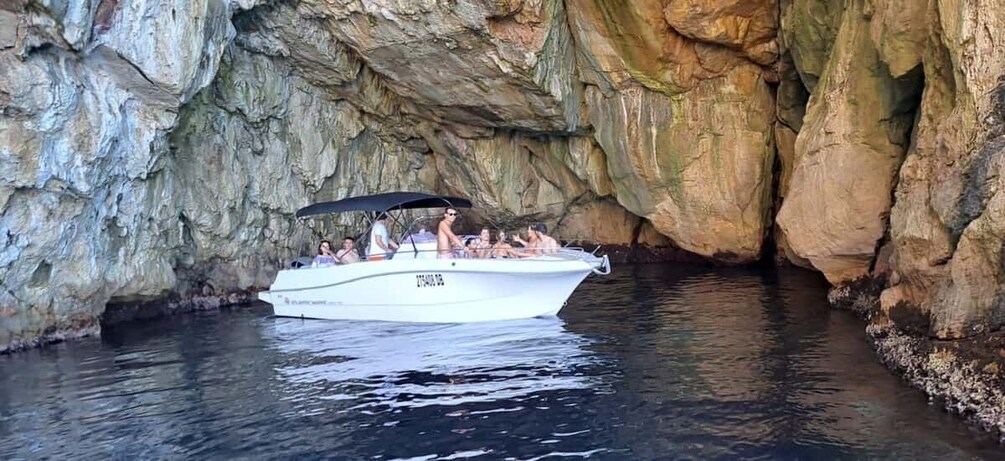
(423, 290)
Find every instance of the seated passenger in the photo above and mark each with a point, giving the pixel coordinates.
(531, 244)
(502, 249)
(325, 256)
(348, 254)
(480, 247)
(545, 243)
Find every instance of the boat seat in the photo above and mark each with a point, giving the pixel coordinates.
(302, 261)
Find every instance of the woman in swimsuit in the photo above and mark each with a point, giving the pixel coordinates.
(325, 256)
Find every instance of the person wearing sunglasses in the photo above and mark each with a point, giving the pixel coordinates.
(446, 240)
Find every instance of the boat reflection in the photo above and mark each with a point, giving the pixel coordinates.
(378, 364)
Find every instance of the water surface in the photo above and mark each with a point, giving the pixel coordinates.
(651, 362)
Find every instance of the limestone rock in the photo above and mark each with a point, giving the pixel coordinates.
(497, 174)
(602, 221)
(749, 26)
(665, 105)
(946, 223)
(8, 29)
(898, 28)
(625, 42)
(481, 63)
(968, 301)
(697, 165)
(851, 144)
(170, 53)
(82, 138)
(791, 100)
(809, 29)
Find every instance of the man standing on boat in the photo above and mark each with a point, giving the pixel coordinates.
(445, 236)
(381, 246)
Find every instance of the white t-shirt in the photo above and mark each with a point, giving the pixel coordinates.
(372, 249)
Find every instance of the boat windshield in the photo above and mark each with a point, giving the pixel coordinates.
(421, 229)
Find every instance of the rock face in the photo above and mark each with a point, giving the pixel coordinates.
(684, 117)
(87, 104)
(947, 221)
(159, 148)
(851, 143)
(895, 162)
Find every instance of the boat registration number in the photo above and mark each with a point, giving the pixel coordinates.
(428, 280)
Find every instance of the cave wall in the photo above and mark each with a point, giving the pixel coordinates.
(159, 148)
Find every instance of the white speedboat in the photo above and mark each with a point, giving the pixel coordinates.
(415, 286)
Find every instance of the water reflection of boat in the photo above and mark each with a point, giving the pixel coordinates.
(414, 364)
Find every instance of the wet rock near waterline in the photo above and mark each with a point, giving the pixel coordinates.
(860, 296)
(129, 311)
(15, 337)
(966, 377)
(909, 319)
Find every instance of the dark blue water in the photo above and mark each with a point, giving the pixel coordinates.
(651, 362)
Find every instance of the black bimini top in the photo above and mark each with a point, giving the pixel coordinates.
(383, 202)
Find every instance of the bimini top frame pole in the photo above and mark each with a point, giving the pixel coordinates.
(373, 206)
